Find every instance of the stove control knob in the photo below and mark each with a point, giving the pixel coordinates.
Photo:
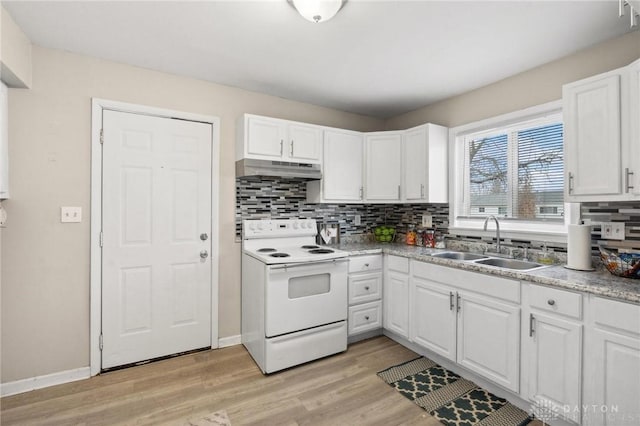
(260, 226)
(295, 225)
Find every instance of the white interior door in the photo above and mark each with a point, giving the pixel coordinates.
(156, 282)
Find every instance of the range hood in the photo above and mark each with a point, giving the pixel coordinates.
(250, 167)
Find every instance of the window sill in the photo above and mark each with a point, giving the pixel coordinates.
(546, 236)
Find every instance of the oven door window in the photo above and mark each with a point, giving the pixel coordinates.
(309, 285)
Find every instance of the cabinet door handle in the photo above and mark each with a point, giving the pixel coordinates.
(627, 173)
(398, 192)
(457, 302)
(551, 302)
(531, 321)
(570, 182)
(291, 148)
(451, 301)
(361, 192)
(422, 190)
(281, 146)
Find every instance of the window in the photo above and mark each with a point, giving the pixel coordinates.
(515, 172)
(511, 167)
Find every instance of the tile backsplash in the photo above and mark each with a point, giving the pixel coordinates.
(627, 212)
(264, 198)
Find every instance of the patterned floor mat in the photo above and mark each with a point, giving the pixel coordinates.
(449, 398)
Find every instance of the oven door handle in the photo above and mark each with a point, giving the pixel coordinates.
(297, 265)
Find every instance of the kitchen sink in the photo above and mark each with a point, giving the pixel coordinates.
(459, 255)
(520, 265)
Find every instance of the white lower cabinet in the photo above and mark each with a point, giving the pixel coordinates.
(365, 293)
(575, 357)
(612, 364)
(460, 315)
(396, 295)
(489, 338)
(365, 317)
(433, 323)
(552, 350)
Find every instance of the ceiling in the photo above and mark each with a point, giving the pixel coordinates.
(378, 58)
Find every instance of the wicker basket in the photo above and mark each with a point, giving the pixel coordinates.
(625, 265)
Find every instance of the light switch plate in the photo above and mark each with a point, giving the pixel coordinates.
(427, 220)
(70, 214)
(613, 231)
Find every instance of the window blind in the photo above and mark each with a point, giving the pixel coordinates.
(516, 174)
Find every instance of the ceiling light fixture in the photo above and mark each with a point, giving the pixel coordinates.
(317, 10)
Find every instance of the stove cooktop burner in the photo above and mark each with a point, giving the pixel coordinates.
(266, 250)
(310, 247)
(279, 255)
(321, 251)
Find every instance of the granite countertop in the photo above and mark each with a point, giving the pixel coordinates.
(600, 283)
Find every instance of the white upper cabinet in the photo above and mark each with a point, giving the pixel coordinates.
(376, 167)
(383, 153)
(4, 143)
(633, 173)
(341, 170)
(601, 139)
(305, 143)
(425, 171)
(264, 138)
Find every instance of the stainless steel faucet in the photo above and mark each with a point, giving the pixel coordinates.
(486, 221)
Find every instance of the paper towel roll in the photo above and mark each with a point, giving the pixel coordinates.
(579, 247)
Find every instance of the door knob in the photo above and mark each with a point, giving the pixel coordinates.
(204, 254)
(204, 236)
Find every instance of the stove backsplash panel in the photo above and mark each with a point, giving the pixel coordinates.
(277, 198)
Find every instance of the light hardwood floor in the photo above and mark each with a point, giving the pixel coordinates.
(338, 390)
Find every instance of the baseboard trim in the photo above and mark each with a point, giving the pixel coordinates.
(229, 341)
(39, 382)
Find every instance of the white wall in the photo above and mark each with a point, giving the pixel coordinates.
(45, 264)
(534, 87)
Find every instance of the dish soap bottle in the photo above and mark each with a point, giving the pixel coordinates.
(546, 258)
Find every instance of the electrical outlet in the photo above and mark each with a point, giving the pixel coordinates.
(612, 231)
(70, 214)
(427, 221)
(357, 220)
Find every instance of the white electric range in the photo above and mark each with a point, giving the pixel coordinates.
(294, 294)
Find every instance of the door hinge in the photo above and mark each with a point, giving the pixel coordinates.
(101, 136)
(101, 342)
(101, 239)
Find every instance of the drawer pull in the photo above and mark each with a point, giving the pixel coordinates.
(366, 287)
(366, 265)
(531, 329)
(366, 317)
(551, 302)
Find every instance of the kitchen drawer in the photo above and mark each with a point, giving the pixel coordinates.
(399, 264)
(365, 287)
(365, 317)
(556, 301)
(365, 263)
(615, 314)
(487, 285)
